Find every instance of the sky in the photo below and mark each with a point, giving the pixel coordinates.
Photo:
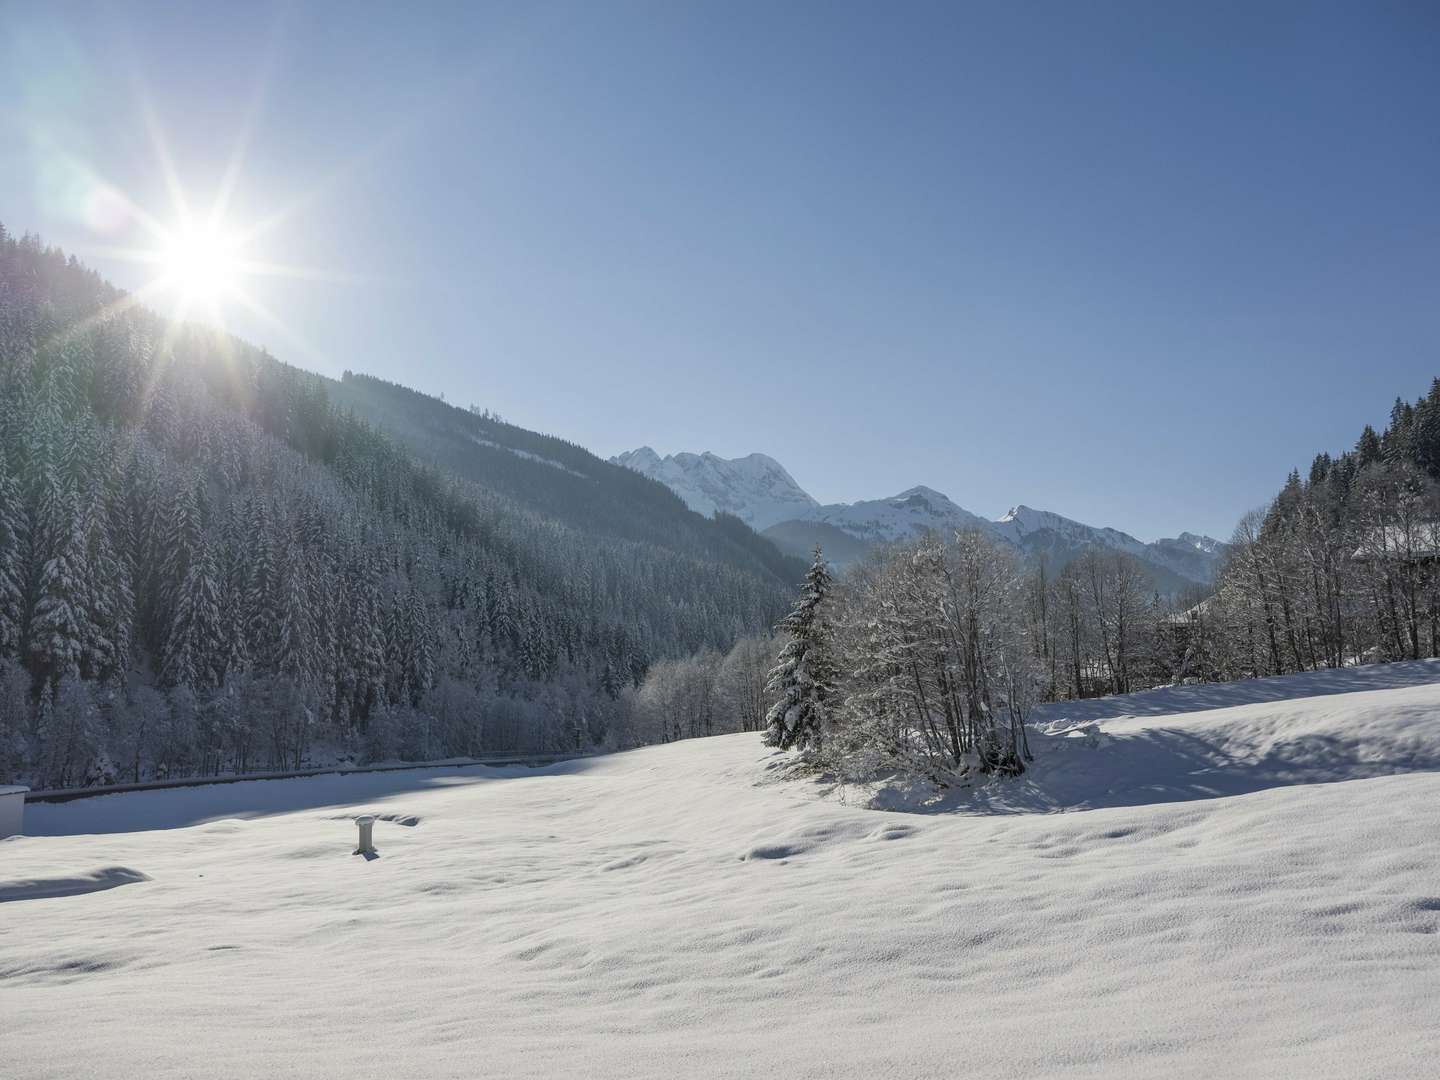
(1129, 262)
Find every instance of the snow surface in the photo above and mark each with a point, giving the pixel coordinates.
(528, 456)
(677, 911)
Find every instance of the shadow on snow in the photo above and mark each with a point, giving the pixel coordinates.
(176, 808)
(1167, 700)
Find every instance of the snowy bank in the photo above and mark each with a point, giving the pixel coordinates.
(660, 913)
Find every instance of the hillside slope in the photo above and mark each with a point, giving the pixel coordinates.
(212, 561)
(542, 474)
(653, 913)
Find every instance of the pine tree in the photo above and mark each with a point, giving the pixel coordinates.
(368, 630)
(111, 602)
(193, 648)
(14, 531)
(804, 675)
(61, 625)
(181, 540)
(294, 641)
(234, 655)
(1368, 449)
(422, 648)
(262, 584)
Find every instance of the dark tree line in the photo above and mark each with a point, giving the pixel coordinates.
(207, 565)
(1341, 567)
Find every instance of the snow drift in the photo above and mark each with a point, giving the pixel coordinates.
(668, 912)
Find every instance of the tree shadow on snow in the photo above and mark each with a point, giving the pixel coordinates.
(177, 808)
(1168, 700)
(1161, 765)
(109, 877)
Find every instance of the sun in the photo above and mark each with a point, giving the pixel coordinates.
(202, 264)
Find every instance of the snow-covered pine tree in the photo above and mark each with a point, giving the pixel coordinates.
(294, 641)
(422, 648)
(192, 654)
(14, 530)
(261, 587)
(111, 601)
(804, 676)
(181, 537)
(234, 657)
(367, 672)
(61, 623)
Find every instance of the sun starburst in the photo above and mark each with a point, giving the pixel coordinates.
(204, 262)
(201, 264)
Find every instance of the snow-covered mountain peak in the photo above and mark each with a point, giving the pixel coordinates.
(640, 459)
(1022, 520)
(755, 488)
(921, 497)
(914, 510)
(1207, 544)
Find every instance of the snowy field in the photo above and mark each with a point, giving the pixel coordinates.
(1251, 890)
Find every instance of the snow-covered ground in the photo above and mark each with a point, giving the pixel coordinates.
(675, 912)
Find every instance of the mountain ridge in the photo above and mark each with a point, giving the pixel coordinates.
(755, 488)
(708, 481)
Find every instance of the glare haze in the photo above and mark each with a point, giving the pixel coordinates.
(1127, 262)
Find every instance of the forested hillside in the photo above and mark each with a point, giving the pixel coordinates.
(1343, 565)
(559, 479)
(213, 561)
(208, 564)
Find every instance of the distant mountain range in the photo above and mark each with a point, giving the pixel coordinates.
(760, 491)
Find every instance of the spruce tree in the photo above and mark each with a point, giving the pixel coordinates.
(193, 648)
(804, 675)
(108, 593)
(1368, 449)
(14, 542)
(294, 640)
(61, 623)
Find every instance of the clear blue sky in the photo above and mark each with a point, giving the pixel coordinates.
(1127, 262)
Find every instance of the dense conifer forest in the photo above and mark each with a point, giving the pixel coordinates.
(213, 561)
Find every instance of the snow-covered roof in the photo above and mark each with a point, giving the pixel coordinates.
(1421, 541)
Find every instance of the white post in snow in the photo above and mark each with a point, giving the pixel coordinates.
(12, 810)
(366, 845)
